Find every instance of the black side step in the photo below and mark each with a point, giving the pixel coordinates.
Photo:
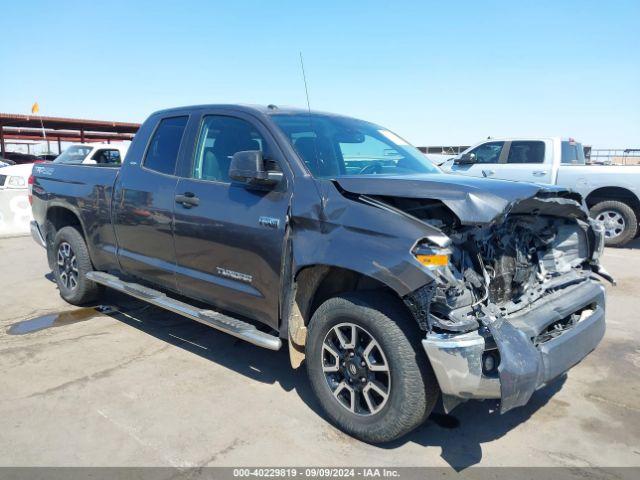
(217, 320)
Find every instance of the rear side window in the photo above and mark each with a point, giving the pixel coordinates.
(488, 152)
(572, 153)
(526, 152)
(75, 154)
(162, 152)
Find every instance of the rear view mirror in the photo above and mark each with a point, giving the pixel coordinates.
(349, 136)
(466, 159)
(248, 167)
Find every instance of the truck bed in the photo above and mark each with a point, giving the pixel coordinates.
(87, 190)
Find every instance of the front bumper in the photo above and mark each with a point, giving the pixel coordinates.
(457, 358)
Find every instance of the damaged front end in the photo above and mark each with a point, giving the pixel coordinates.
(517, 304)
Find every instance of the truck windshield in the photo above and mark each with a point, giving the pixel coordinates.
(73, 154)
(337, 146)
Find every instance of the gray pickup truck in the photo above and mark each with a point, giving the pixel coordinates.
(391, 281)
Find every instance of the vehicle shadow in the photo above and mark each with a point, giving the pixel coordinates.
(256, 363)
(460, 435)
(633, 244)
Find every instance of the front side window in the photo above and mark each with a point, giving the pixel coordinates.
(332, 147)
(488, 152)
(162, 152)
(75, 154)
(526, 152)
(220, 138)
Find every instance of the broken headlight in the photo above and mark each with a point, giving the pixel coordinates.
(432, 257)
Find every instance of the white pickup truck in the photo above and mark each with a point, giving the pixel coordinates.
(611, 192)
(104, 154)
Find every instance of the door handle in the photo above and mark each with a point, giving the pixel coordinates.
(188, 200)
(487, 173)
(539, 173)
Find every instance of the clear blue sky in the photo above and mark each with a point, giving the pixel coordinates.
(434, 72)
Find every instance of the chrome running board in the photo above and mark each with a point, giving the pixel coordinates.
(219, 321)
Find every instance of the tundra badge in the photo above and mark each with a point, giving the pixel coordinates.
(243, 277)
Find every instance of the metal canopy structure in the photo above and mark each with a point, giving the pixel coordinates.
(32, 127)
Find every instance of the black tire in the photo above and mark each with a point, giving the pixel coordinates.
(84, 290)
(626, 213)
(413, 389)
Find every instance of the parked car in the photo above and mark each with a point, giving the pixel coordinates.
(102, 154)
(19, 158)
(15, 211)
(15, 176)
(612, 193)
(5, 162)
(392, 281)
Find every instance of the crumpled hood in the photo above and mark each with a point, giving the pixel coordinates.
(473, 200)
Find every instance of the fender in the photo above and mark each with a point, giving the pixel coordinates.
(357, 234)
(362, 236)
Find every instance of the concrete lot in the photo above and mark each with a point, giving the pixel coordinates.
(145, 387)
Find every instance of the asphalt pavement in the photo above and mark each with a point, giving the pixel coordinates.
(133, 385)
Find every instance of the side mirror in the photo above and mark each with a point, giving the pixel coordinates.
(466, 159)
(248, 167)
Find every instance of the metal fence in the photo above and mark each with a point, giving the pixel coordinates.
(613, 156)
(444, 149)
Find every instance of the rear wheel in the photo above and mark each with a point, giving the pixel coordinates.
(619, 221)
(367, 366)
(71, 264)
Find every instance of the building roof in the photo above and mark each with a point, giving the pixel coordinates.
(11, 133)
(30, 127)
(57, 123)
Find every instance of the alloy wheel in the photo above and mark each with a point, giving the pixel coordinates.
(356, 369)
(67, 266)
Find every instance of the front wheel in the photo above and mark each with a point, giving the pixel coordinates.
(367, 366)
(619, 221)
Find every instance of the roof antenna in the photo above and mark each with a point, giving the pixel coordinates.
(318, 160)
(306, 89)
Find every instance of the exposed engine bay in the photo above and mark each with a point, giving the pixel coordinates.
(507, 265)
(511, 264)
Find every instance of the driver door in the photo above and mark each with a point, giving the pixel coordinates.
(229, 238)
(488, 158)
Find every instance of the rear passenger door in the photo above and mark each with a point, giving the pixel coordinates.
(228, 238)
(144, 204)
